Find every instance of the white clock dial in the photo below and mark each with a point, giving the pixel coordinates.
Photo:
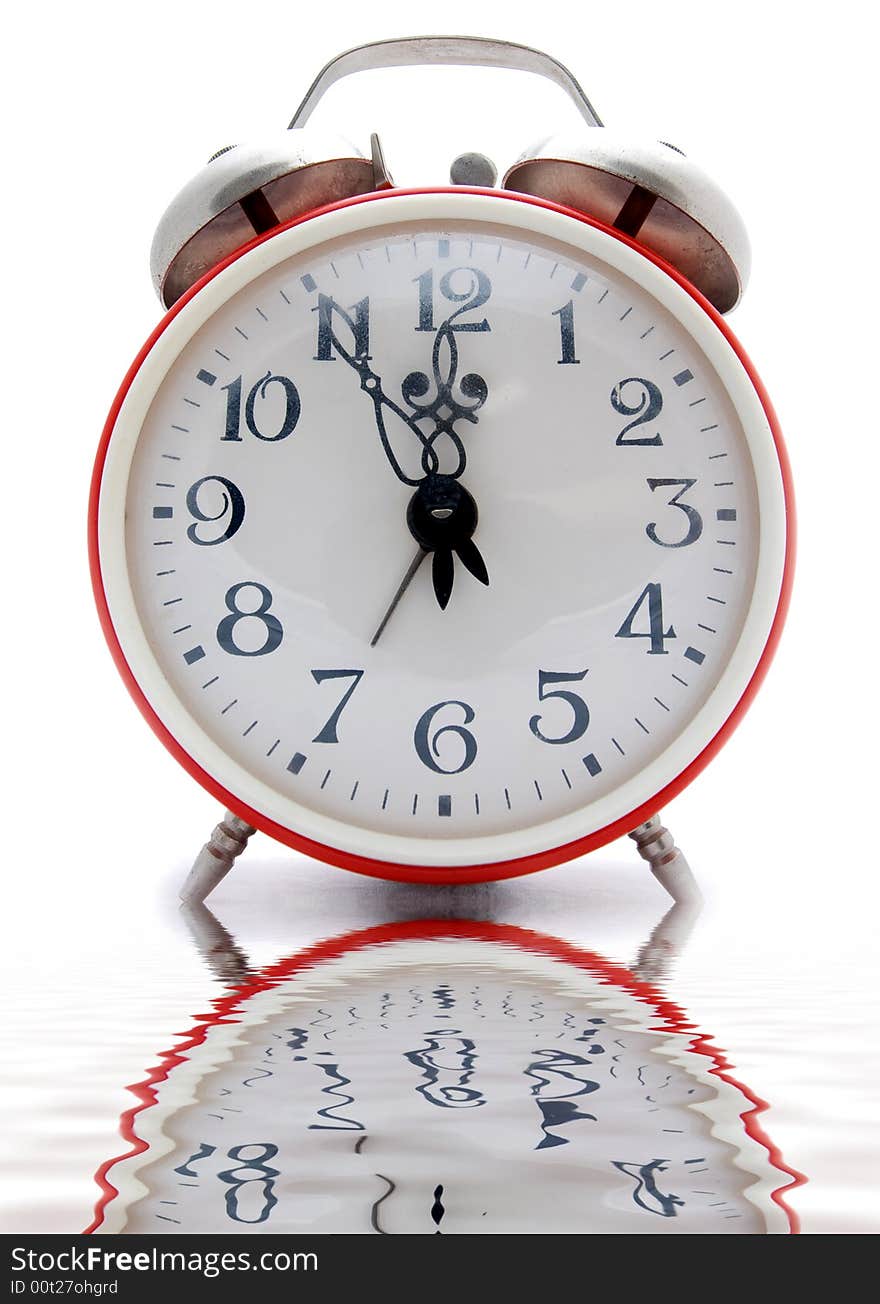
(630, 524)
(461, 1086)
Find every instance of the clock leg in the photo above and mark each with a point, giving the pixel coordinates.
(216, 858)
(219, 949)
(667, 941)
(668, 865)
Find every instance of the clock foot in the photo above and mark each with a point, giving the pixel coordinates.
(216, 858)
(668, 865)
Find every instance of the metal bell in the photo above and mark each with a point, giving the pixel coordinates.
(247, 189)
(650, 192)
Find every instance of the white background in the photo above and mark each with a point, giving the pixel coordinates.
(109, 109)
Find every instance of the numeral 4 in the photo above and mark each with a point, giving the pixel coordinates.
(651, 597)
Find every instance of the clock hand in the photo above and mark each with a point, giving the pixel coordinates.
(442, 517)
(401, 589)
(444, 409)
(371, 384)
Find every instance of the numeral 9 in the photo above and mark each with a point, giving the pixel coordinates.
(231, 507)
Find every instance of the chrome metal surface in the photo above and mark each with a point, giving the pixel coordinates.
(289, 173)
(382, 178)
(651, 192)
(473, 170)
(657, 846)
(227, 841)
(473, 51)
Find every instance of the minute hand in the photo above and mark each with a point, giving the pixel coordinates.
(371, 384)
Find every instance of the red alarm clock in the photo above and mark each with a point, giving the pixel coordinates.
(444, 535)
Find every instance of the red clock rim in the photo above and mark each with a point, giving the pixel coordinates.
(496, 870)
(225, 1008)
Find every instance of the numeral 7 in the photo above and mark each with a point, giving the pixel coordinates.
(328, 733)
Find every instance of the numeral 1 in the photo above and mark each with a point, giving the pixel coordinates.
(566, 330)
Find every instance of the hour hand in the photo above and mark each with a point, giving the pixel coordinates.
(442, 517)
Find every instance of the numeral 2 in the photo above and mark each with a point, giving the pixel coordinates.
(648, 406)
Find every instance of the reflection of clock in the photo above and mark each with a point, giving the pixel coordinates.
(466, 1078)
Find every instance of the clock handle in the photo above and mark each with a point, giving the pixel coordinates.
(471, 51)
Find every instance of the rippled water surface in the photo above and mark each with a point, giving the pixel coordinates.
(468, 1062)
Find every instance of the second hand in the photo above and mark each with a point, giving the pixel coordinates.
(402, 587)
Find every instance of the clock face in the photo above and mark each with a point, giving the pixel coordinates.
(425, 392)
(463, 1086)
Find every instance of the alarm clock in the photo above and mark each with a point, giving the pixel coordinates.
(444, 534)
(451, 1077)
